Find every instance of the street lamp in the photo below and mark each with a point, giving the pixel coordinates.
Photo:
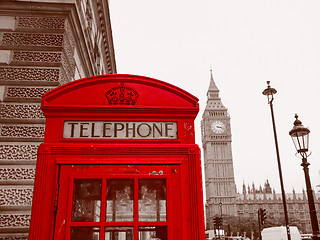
(269, 92)
(300, 138)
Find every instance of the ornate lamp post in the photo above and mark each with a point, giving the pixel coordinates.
(300, 138)
(269, 92)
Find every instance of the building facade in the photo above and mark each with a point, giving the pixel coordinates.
(43, 44)
(218, 164)
(222, 198)
(252, 198)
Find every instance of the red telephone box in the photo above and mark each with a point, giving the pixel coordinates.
(119, 161)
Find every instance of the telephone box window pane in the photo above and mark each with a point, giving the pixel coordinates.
(84, 233)
(152, 200)
(119, 200)
(153, 233)
(119, 233)
(86, 200)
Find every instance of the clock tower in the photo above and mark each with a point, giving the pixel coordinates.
(218, 163)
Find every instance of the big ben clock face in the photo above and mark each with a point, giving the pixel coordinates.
(218, 127)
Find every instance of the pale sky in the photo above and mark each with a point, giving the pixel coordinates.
(247, 43)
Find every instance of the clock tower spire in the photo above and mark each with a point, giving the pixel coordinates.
(213, 96)
(218, 163)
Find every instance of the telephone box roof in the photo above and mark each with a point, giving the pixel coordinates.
(120, 91)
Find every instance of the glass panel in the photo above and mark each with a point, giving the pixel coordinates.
(86, 200)
(153, 233)
(152, 200)
(119, 233)
(84, 233)
(119, 200)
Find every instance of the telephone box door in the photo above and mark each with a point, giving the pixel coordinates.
(118, 202)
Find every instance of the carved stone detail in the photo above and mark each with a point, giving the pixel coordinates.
(32, 39)
(17, 174)
(26, 92)
(41, 23)
(16, 196)
(69, 66)
(69, 34)
(63, 79)
(29, 74)
(19, 152)
(104, 35)
(68, 48)
(20, 111)
(69, 55)
(10, 131)
(14, 220)
(14, 237)
(43, 57)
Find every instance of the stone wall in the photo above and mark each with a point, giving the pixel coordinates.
(42, 46)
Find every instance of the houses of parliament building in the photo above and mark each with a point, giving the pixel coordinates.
(222, 197)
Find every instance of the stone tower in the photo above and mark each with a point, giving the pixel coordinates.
(218, 163)
(43, 44)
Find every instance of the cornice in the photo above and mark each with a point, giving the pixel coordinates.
(20, 8)
(119, 149)
(72, 111)
(104, 14)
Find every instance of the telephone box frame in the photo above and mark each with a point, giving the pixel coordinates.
(87, 100)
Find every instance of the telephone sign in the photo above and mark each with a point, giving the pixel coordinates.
(120, 130)
(119, 161)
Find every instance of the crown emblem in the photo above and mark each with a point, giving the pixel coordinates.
(122, 96)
